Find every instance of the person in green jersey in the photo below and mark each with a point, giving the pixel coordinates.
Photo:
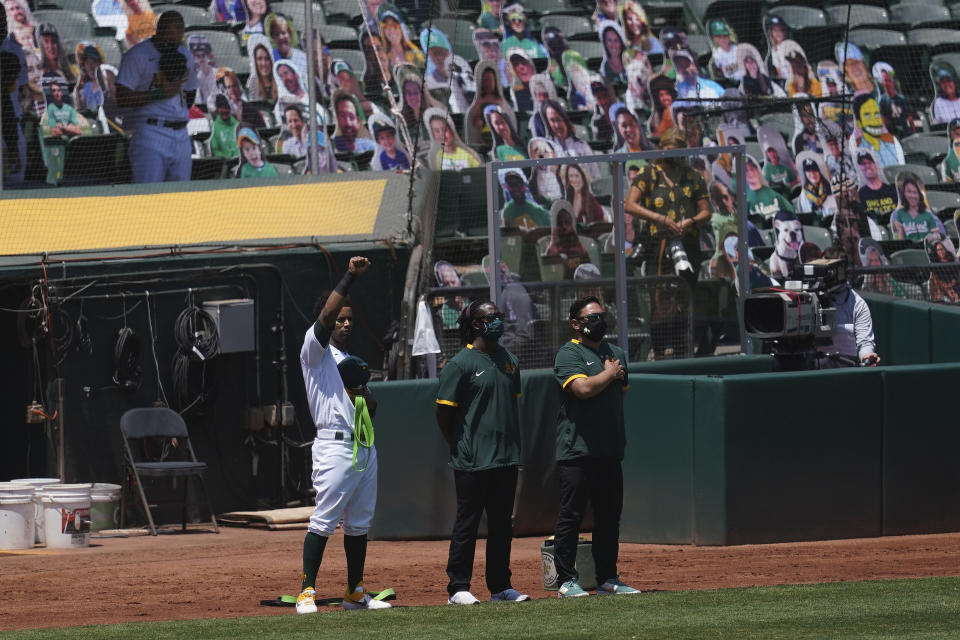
(252, 163)
(478, 413)
(590, 441)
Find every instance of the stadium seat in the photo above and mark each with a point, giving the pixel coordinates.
(193, 17)
(83, 6)
(742, 15)
(951, 226)
(296, 10)
(858, 14)
(339, 36)
(782, 121)
(943, 201)
(592, 52)
(917, 12)
(547, 7)
(138, 426)
(573, 27)
(819, 236)
(953, 59)
(92, 160)
(71, 25)
(874, 38)
(208, 169)
(341, 11)
(928, 175)
(933, 37)
(909, 256)
(700, 44)
(593, 249)
(224, 44)
(799, 16)
(353, 58)
(474, 279)
(929, 146)
(460, 34)
(108, 45)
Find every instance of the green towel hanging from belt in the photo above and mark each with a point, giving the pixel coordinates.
(362, 430)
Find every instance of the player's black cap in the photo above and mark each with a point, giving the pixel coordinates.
(354, 372)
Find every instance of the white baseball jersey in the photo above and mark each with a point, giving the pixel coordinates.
(330, 406)
(343, 493)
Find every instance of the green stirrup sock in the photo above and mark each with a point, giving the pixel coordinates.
(313, 546)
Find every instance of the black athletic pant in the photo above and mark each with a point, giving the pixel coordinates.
(492, 490)
(599, 480)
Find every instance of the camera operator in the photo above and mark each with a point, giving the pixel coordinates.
(853, 339)
(672, 197)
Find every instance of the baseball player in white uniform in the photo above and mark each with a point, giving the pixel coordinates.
(344, 493)
(157, 106)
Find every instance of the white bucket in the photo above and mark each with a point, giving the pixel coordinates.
(40, 536)
(67, 515)
(104, 506)
(17, 516)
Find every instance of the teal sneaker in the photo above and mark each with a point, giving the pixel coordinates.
(571, 589)
(615, 587)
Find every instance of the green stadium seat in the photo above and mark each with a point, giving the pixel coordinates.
(917, 12)
(353, 58)
(800, 16)
(296, 12)
(460, 34)
(593, 249)
(951, 226)
(930, 146)
(783, 122)
(943, 201)
(926, 174)
(819, 236)
(547, 7)
(71, 25)
(742, 15)
(874, 38)
(474, 279)
(339, 36)
(933, 37)
(909, 256)
(858, 13)
(573, 27)
(193, 17)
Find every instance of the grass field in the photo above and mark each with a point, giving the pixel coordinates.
(922, 608)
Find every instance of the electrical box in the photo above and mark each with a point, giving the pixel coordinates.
(234, 320)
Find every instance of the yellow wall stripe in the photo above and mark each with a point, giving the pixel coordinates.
(35, 225)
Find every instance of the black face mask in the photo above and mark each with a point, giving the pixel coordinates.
(594, 325)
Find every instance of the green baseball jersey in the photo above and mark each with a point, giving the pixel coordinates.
(779, 174)
(766, 202)
(484, 390)
(591, 427)
(529, 215)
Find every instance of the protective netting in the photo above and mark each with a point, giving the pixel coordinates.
(847, 110)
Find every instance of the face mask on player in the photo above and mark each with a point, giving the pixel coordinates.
(493, 326)
(594, 325)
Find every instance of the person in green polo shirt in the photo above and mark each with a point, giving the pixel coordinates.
(478, 414)
(590, 441)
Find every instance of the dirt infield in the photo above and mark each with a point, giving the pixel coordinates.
(202, 575)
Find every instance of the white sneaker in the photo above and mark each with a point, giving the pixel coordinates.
(360, 599)
(306, 602)
(463, 597)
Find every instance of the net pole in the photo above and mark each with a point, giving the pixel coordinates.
(311, 87)
(493, 234)
(743, 261)
(620, 237)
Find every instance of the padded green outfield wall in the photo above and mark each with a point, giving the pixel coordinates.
(722, 451)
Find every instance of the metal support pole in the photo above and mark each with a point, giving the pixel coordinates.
(743, 251)
(493, 234)
(311, 87)
(620, 236)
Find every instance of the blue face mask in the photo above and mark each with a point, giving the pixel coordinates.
(493, 328)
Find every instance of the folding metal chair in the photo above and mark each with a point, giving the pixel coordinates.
(160, 422)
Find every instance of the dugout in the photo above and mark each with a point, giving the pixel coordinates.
(108, 255)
